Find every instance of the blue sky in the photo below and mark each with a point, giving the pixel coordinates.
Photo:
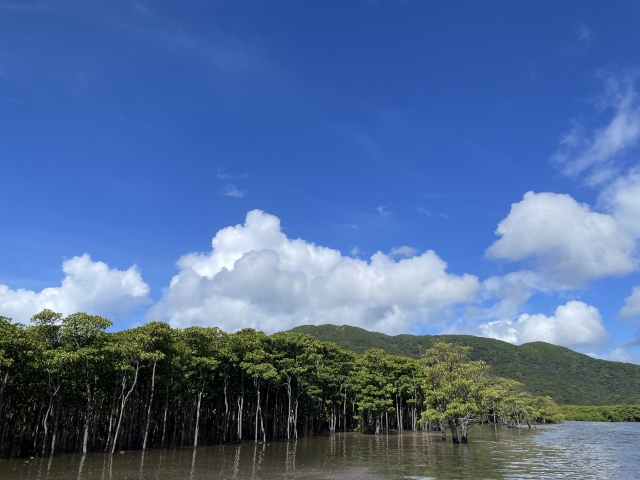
(135, 132)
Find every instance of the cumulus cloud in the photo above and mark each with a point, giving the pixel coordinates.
(574, 324)
(569, 243)
(581, 150)
(512, 291)
(257, 277)
(631, 304)
(622, 200)
(88, 286)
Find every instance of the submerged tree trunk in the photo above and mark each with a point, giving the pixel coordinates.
(87, 417)
(454, 431)
(464, 430)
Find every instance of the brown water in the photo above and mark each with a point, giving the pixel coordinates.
(571, 450)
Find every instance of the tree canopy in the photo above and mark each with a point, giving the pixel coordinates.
(67, 384)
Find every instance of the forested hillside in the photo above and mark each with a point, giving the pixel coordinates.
(544, 369)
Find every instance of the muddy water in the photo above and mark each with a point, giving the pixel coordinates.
(572, 450)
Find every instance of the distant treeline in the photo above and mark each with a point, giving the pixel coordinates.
(67, 385)
(607, 413)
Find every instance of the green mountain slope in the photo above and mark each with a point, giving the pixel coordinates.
(567, 376)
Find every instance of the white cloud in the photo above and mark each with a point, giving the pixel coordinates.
(233, 191)
(619, 354)
(622, 199)
(257, 277)
(403, 251)
(574, 324)
(569, 243)
(596, 150)
(512, 290)
(631, 304)
(88, 286)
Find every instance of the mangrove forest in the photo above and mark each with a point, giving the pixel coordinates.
(67, 384)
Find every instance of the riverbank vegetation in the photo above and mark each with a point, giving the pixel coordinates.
(66, 384)
(569, 377)
(608, 413)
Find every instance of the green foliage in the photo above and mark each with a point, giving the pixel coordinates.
(610, 413)
(545, 370)
(68, 384)
(456, 391)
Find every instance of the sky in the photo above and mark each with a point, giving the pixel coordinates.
(402, 166)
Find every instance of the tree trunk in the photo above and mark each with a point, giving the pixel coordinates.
(113, 406)
(122, 405)
(87, 417)
(289, 409)
(164, 417)
(45, 427)
(225, 427)
(344, 412)
(2, 388)
(153, 386)
(200, 389)
(454, 431)
(56, 423)
(464, 430)
(257, 385)
(443, 429)
(240, 408)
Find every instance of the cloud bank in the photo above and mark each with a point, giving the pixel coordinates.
(257, 277)
(567, 242)
(574, 324)
(88, 286)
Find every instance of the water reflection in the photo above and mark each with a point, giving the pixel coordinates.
(572, 450)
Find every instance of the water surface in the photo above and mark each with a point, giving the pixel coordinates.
(582, 450)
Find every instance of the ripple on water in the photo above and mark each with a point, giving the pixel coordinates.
(571, 450)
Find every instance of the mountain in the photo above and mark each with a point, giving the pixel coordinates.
(570, 378)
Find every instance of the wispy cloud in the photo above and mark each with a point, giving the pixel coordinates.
(229, 176)
(583, 35)
(581, 150)
(232, 191)
(424, 211)
(383, 210)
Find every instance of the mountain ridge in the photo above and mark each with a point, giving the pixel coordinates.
(569, 377)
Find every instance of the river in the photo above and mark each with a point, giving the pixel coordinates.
(583, 450)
